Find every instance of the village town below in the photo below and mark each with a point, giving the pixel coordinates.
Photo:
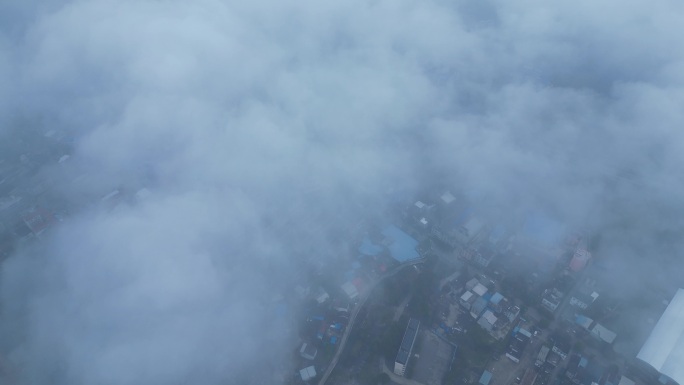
(435, 293)
(444, 295)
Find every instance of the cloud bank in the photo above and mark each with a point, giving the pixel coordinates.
(266, 129)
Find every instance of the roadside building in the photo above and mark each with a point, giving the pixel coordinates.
(553, 359)
(583, 321)
(308, 351)
(308, 373)
(341, 305)
(480, 289)
(551, 299)
(602, 333)
(467, 299)
(561, 345)
(488, 321)
(350, 290)
(541, 357)
(322, 296)
(583, 298)
(406, 348)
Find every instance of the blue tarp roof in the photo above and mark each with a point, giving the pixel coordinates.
(485, 378)
(369, 248)
(403, 246)
(543, 229)
(582, 320)
(496, 298)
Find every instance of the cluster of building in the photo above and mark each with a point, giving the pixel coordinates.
(377, 254)
(493, 312)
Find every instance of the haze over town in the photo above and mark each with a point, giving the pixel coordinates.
(199, 161)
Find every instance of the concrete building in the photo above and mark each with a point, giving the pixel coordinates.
(447, 198)
(478, 307)
(519, 342)
(602, 333)
(308, 351)
(407, 343)
(467, 299)
(308, 373)
(583, 298)
(321, 295)
(350, 290)
(480, 289)
(541, 357)
(487, 321)
(551, 299)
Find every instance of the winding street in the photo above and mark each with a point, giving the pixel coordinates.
(355, 312)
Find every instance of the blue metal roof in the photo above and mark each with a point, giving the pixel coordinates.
(369, 248)
(485, 378)
(403, 246)
(496, 298)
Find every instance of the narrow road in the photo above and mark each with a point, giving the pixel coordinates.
(355, 312)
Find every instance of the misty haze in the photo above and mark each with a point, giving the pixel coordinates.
(358, 192)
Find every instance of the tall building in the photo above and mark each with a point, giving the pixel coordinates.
(404, 353)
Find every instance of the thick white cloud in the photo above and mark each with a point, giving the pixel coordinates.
(264, 127)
